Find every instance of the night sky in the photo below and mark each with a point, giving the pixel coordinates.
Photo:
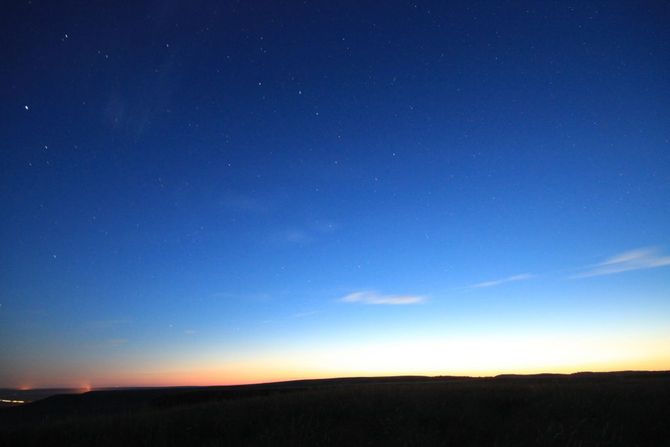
(232, 192)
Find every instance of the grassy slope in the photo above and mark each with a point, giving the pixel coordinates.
(599, 410)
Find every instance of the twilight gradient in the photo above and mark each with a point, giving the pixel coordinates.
(215, 192)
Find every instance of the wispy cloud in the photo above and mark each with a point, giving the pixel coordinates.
(638, 259)
(369, 297)
(497, 282)
(305, 234)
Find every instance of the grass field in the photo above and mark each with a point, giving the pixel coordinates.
(613, 409)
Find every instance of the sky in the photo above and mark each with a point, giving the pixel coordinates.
(201, 193)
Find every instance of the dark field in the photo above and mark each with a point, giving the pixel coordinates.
(613, 409)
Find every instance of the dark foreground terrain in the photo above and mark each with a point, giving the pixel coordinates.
(587, 409)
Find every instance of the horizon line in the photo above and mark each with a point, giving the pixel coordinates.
(355, 377)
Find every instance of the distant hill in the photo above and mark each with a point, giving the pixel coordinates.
(616, 409)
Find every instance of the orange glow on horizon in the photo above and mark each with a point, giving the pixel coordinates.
(208, 378)
(477, 357)
(204, 379)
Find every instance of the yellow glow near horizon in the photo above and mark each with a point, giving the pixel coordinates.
(484, 356)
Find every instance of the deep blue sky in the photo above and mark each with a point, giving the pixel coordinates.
(192, 191)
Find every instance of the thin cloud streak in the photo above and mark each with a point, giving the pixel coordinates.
(370, 297)
(638, 259)
(497, 282)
